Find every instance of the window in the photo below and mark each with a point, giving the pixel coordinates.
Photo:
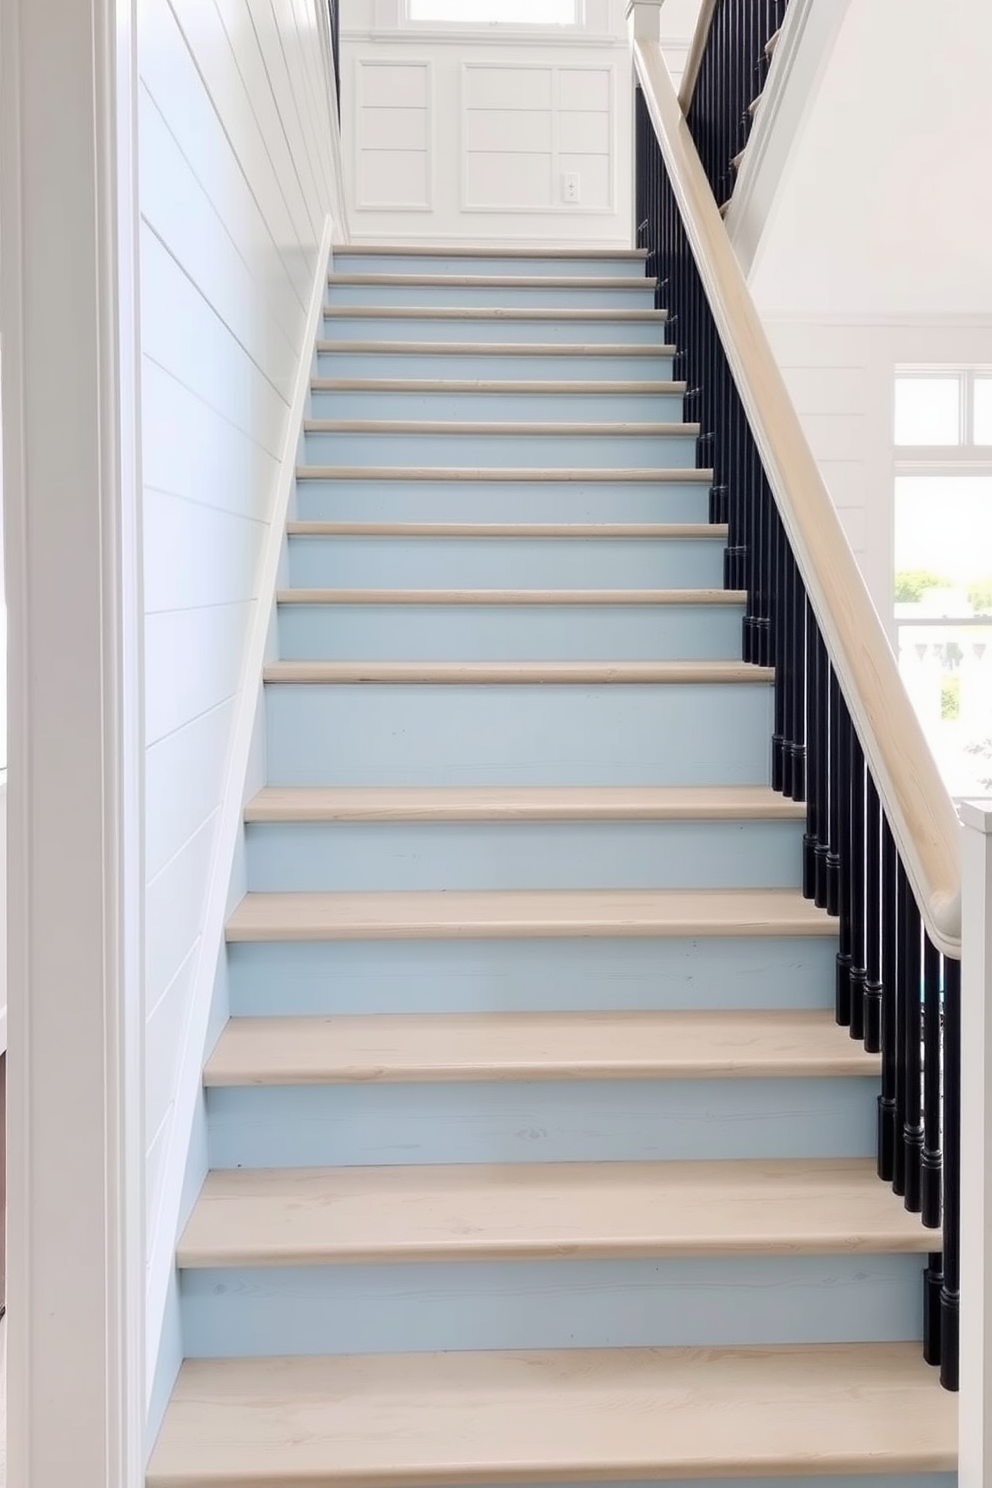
(497, 12)
(942, 593)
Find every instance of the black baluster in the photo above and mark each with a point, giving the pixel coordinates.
(931, 1159)
(822, 746)
(840, 788)
(950, 1292)
(856, 891)
(873, 919)
(910, 939)
(812, 834)
(835, 773)
(887, 1098)
(933, 1283)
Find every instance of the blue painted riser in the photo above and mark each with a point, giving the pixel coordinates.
(552, 1305)
(445, 976)
(548, 451)
(635, 295)
(574, 408)
(539, 1121)
(505, 562)
(510, 734)
(536, 855)
(540, 266)
(510, 632)
(502, 501)
(610, 330)
(500, 364)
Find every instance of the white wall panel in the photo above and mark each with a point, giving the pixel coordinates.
(491, 121)
(237, 178)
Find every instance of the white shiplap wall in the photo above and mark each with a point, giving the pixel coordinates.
(238, 175)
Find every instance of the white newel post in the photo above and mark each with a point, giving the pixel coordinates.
(975, 1403)
(644, 19)
(75, 1275)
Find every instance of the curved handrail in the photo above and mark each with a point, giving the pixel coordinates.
(694, 60)
(919, 809)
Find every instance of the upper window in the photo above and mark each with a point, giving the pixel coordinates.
(497, 12)
(940, 410)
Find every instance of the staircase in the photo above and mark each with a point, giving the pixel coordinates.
(536, 1153)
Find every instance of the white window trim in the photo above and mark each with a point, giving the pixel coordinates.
(951, 457)
(492, 30)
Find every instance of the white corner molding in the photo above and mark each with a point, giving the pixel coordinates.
(75, 1411)
(918, 807)
(809, 32)
(163, 1238)
(975, 1401)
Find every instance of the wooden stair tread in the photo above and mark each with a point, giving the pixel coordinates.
(434, 474)
(493, 281)
(545, 913)
(497, 348)
(546, 1211)
(461, 1047)
(381, 1421)
(459, 426)
(282, 803)
(459, 250)
(512, 596)
(484, 385)
(455, 673)
(486, 312)
(637, 530)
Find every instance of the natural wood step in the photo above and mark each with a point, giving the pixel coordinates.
(659, 597)
(483, 914)
(437, 473)
(547, 1211)
(458, 250)
(410, 1420)
(570, 349)
(458, 426)
(284, 803)
(700, 531)
(457, 673)
(493, 281)
(484, 385)
(485, 312)
(461, 1047)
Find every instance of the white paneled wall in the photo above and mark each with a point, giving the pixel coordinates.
(238, 174)
(470, 135)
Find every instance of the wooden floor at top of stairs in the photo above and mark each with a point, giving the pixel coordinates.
(547, 1211)
(684, 1044)
(414, 1420)
(526, 914)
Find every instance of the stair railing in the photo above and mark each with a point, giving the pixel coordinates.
(725, 74)
(882, 843)
(334, 12)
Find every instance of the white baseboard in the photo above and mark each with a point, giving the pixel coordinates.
(161, 1263)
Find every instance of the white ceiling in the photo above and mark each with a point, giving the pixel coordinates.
(887, 205)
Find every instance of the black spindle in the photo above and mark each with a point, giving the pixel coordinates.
(931, 1158)
(950, 1291)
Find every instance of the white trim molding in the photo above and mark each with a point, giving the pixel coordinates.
(75, 1241)
(975, 1404)
(799, 62)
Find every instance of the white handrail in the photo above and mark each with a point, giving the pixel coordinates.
(694, 61)
(919, 809)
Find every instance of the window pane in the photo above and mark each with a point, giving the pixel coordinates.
(943, 541)
(983, 410)
(530, 12)
(927, 410)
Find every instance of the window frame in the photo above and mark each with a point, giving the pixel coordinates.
(499, 28)
(966, 452)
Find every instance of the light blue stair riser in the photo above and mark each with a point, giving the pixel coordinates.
(518, 734)
(480, 405)
(517, 976)
(502, 451)
(519, 855)
(383, 562)
(637, 1303)
(345, 262)
(634, 295)
(510, 632)
(499, 364)
(539, 1121)
(502, 501)
(577, 330)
